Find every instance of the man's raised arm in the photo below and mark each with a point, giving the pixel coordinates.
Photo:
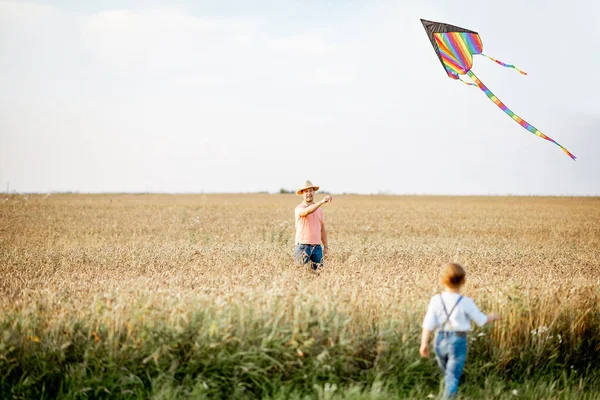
(314, 207)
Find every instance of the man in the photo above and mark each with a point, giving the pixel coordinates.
(311, 238)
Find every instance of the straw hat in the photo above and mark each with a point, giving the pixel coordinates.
(307, 185)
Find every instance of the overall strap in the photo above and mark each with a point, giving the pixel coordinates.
(448, 314)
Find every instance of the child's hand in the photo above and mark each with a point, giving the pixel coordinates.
(493, 317)
(424, 350)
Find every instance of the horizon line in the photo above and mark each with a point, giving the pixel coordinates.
(263, 192)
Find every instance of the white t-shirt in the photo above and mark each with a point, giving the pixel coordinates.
(460, 319)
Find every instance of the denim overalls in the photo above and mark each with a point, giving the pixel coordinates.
(450, 354)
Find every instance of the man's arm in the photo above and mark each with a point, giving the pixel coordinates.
(314, 207)
(324, 239)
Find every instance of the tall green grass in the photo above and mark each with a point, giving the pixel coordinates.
(292, 349)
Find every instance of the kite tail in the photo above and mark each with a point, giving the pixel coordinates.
(505, 65)
(514, 116)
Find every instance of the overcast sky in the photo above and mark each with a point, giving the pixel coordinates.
(240, 96)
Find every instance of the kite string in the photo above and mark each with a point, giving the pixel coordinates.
(457, 77)
(467, 83)
(514, 116)
(504, 64)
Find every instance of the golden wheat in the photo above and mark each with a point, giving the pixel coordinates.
(120, 260)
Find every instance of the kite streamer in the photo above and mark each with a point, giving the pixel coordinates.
(505, 65)
(455, 48)
(514, 116)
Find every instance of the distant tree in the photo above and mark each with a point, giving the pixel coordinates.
(285, 191)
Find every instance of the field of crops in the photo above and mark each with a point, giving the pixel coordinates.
(174, 296)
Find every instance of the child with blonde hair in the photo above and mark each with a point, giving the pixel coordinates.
(451, 313)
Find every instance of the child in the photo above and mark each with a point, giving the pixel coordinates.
(452, 314)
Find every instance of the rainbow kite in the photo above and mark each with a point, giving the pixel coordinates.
(455, 47)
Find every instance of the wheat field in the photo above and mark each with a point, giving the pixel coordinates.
(170, 296)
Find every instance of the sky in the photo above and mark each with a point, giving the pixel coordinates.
(245, 96)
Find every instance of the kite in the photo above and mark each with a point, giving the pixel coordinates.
(455, 48)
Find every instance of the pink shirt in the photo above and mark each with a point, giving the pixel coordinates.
(308, 229)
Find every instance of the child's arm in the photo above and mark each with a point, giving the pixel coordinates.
(492, 318)
(424, 350)
(429, 324)
(477, 316)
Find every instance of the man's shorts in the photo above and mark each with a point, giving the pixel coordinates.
(305, 253)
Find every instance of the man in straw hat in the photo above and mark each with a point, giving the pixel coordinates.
(310, 227)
